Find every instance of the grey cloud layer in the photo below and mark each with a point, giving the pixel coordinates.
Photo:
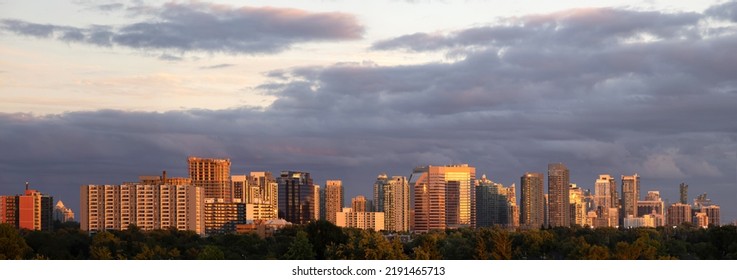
(589, 26)
(664, 108)
(205, 27)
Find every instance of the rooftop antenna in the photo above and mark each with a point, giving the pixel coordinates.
(26, 185)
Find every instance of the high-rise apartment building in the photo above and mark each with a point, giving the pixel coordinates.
(358, 204)
(8, 210)
(532, 202)
(212, 175)
(558, 197)
(630, 195)
(444, 197)
(678, 213)
(298, 202)
(242, 191)
(149, 207)
(683, 190)
(62, 213)
(318, 201)
(578, 205)
(495, 204)
(604, 206)
(654, 206)
(223, 216)
(333, 199)
(31, 210)
(700, 220)
(713, 215)
(267, 188)
(392, 196)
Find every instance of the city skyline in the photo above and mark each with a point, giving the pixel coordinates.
(443, 199)
(90, 93)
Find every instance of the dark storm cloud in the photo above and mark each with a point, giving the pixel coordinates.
(197, 26)
(663, 108)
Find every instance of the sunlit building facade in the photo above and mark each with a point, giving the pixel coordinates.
(392, 197)
(607, 214)
(558, 197)
(360, 219)
(444, 197)
(713, 214)
(652, 205)
(532, 200)
(31, 210)
(630, 195)
(212, 175)
(334, 198)
(578, 205)
(62, 213)
(223, 216)
(149, 207)
(678, 213)
(358, 204)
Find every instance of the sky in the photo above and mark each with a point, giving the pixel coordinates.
(101, 92)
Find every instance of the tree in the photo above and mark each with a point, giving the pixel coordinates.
(502, 245)
(211, 253)
(12, 245)
(105, 247)
(321, 234)
(300, 249)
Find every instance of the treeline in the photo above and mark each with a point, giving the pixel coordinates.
(323, 240)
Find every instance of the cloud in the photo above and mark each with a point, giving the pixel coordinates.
(217, 66)
(576, 27)
(726, 11)
(663, 108)
(169, 57)
(203, 27)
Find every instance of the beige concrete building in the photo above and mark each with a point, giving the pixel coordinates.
(652, 205)
(212, 175)
(222, 216)
(333, 199)
(267, 188)
(362, 220)
(150, 207)
(358, 204)
(391, 196)
(607, 213)
(260, 212)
